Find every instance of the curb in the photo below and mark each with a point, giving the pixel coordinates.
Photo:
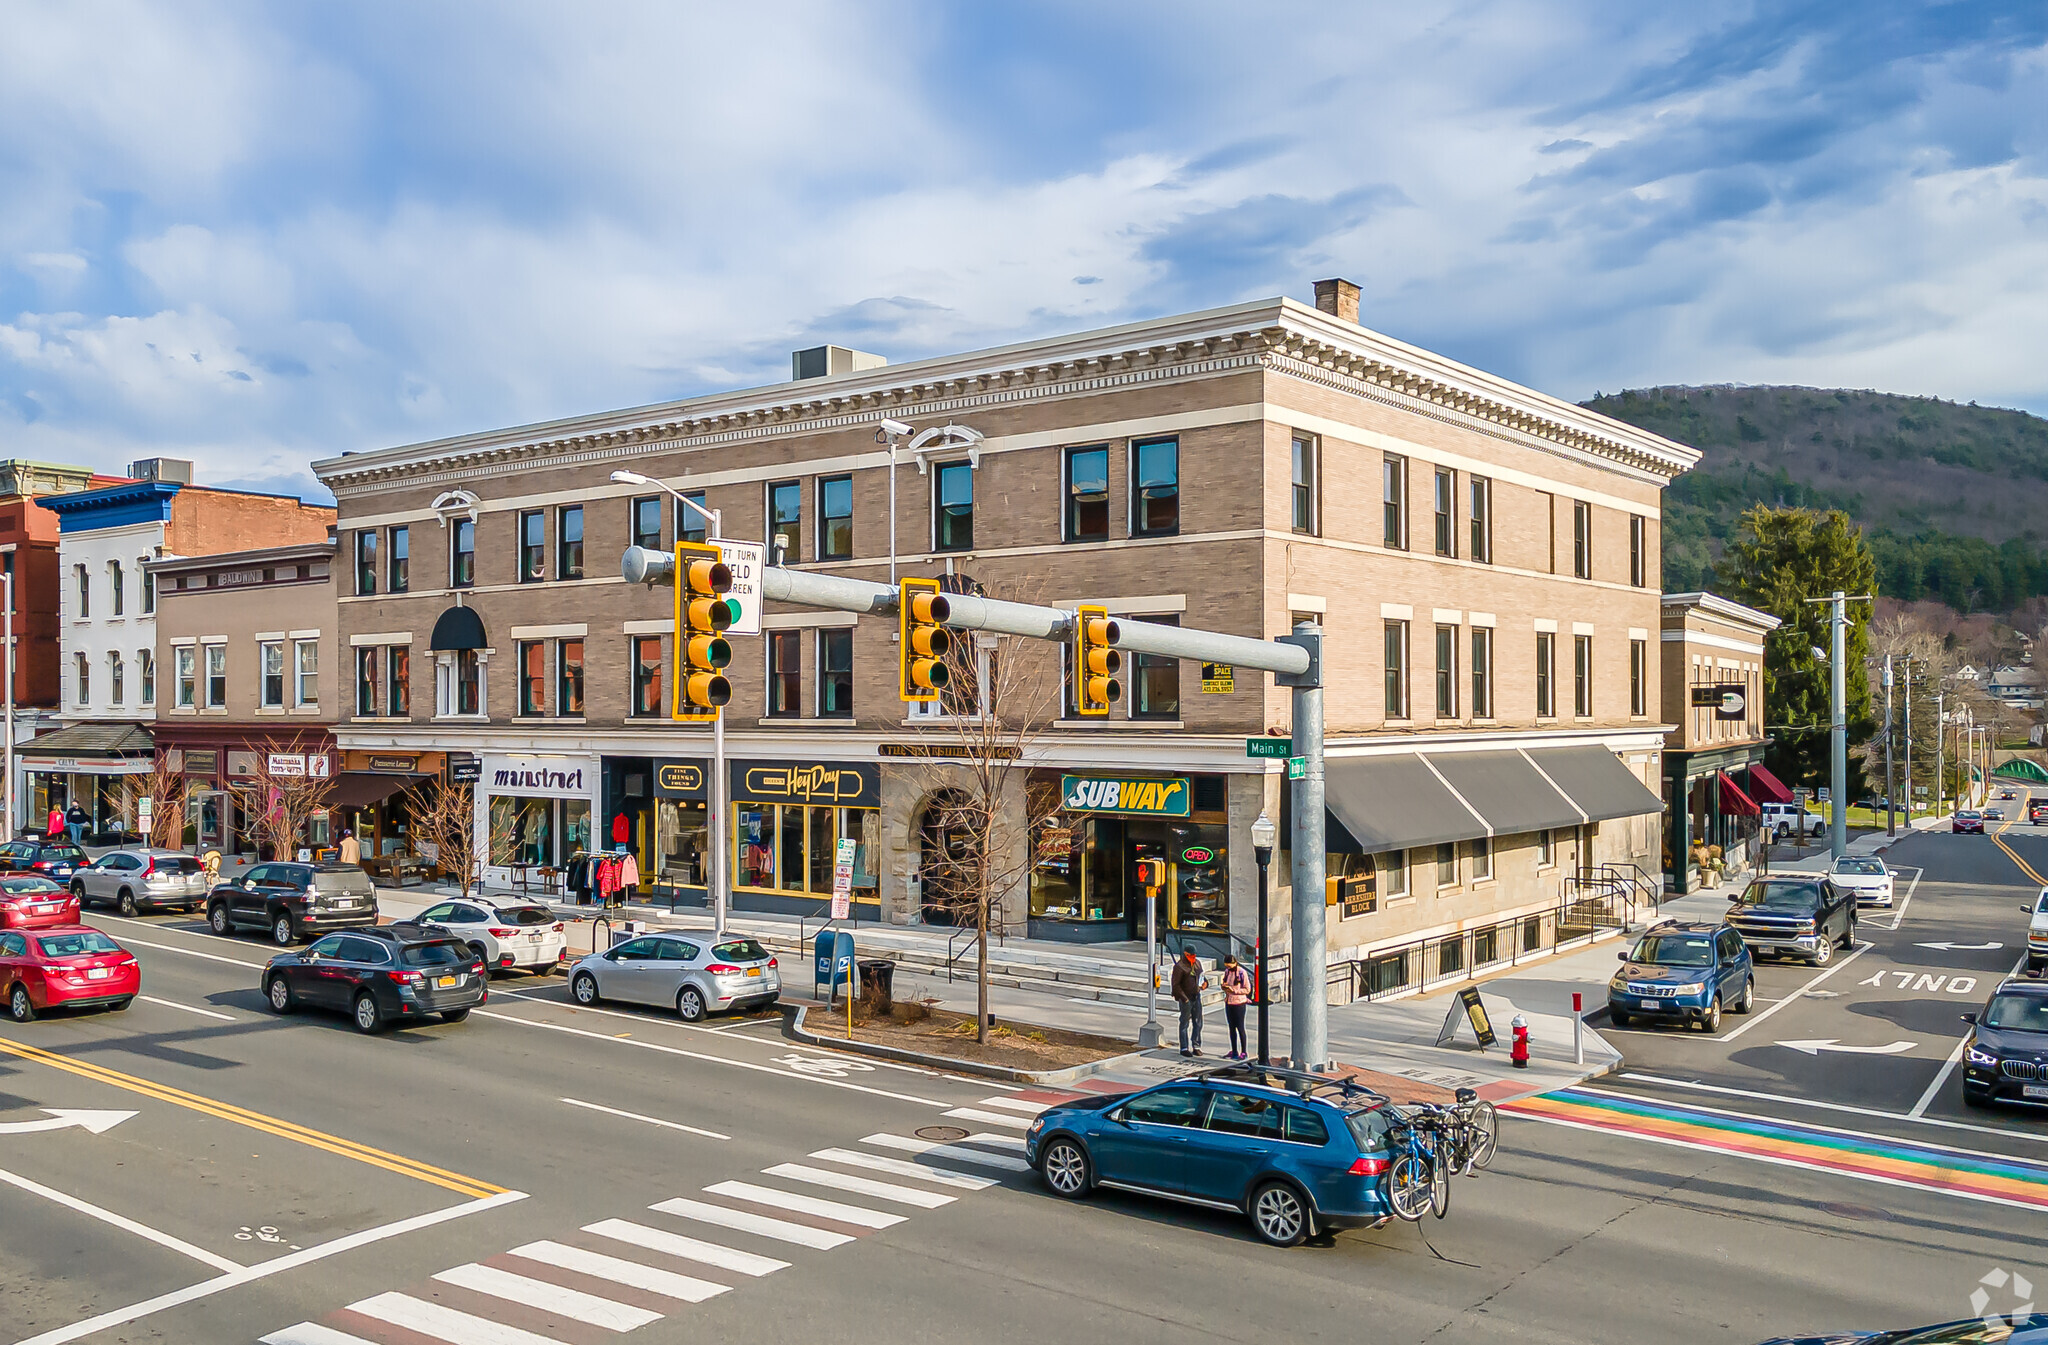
(793, 1025)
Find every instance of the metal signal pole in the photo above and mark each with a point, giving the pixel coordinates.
(1890, 782)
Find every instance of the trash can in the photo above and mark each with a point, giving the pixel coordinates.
(877, 978)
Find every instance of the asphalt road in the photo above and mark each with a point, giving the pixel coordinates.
(290, 1179)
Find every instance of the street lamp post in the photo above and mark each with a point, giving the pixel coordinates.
(1264, 833)
(7, 578)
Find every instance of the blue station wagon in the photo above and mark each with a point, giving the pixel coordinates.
(1299, 1153)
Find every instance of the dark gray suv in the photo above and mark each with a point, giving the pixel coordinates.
(294, 901)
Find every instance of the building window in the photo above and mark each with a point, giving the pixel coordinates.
(835, 518)
(1088, 494)
(1306, 513)
(1446, 672)
(469, 683)
(1393, 866)
(1638, 555)
(306, 662)
(369, 680)
(1446, 499)
(835, 674)
(186, 658)
(401, 559)
(462, 553)
(647, 677)
(1481, 852)
(569, 677)
(1546, 849)
(569, 542)
(366, 561)
(1155, 498)
(785, 674)
(689, 523)
(84, 669)
(1481, 497)
(533, 546)
(1482, 673)
(1582, 676)
(1447, 865)
(145, 664)
(114, 678)
(148, 585)
(1396, 645)
(117, 588)
(953, 506)
(1394, 502)
(647, 522)
(400, 659)
(1156, 681)
(216, 676)
(1639, 677)
(786, 521)
(84, 590)
(270, 687)
(533, 677)
(1546, 679)
(1582, 539)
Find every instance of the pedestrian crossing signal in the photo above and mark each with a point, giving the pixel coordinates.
(1096, 661)
(702, 613)
(921, 659)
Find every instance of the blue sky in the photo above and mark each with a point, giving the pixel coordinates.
(259, 234)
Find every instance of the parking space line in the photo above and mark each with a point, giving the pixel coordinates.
(1908, 901)
(106, 1216)
(188, 1008)
(1757, 1018)
(174, 948)
(650, 1120)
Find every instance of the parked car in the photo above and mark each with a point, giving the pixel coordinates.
(1865, 877)
(294, 901)
(139, 880)
(2031, 1329)
(52, 859)
(2037, 934)
(1293, 1151)
(65, 967)
(1798, 915)
(1683, 972)
(689, 971)
(517, 935)
(30, 901)
(2006, 1058)
(1967, 821)
(1787, 819)
(379, 976)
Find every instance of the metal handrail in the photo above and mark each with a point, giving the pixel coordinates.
(964, 932)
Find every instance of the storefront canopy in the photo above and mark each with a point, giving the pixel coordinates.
(1765, 787)
(1735, 803)
(1596, 780)
(1507, 790)
(1409, 799)
(1394, 802)
(458, 628)
(360, 789)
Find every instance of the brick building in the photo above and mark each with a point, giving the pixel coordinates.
(1484, 560)
(1714, 774)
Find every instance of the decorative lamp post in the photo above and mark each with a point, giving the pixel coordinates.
(1264, 833)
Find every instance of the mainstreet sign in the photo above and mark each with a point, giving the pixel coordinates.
(1280, 748)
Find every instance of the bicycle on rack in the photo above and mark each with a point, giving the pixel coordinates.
(1433, 1143)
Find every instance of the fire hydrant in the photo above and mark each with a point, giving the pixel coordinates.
(1519, 1052)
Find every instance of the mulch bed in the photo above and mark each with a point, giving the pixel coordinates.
(952, 1035)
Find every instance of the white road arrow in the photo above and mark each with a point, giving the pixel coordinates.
(1962, 947)
(1815, 1047)
(64, 1118)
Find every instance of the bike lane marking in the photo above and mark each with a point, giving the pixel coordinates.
(1844, 1108)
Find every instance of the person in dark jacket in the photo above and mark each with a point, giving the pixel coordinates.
(76, 819)
(1188, 985)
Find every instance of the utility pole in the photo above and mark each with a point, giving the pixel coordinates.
(1306, 999)
(1909, 744)
(1838, 734)
(1940, 730)
(1890, 782)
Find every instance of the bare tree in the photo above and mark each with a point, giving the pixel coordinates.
(164, 787)
(282, 793)
(448, 823)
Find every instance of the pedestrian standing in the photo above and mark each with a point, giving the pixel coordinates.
(351, 848)
(75, 820)
(1188, 985)
(56, 824)
(1237, 992)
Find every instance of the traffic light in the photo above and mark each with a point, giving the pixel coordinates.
(921, 666)
(701, 613)
(1096, 661)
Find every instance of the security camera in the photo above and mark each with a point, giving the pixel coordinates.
(897, 428)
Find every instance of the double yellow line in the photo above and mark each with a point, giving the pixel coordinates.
(269, 1125)
(1998, 838)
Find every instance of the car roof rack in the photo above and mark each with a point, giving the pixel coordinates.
(1300, 1082)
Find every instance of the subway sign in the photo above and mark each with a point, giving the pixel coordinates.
(1117, 794)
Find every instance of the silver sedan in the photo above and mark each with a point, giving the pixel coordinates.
(139, 880)
(686, 970)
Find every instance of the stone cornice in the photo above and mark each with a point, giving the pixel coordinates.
(1279, 335)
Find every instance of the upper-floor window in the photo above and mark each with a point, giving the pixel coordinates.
(1582, 539)
(83, 667)
(1394, 501)
(569, 677)
(1582, 675)
(1446, 501)
(114, 677)
(384, 681)
(216, 676)
(569, 542)
(186, 661)
(1546, 674)
(1307, 514)
(84, 577)
(462, 553)
(1446, 672)
(469, 683)
(1155, 681)
(690, 525)
(1639, 677)
(306, 673)
(1480, 496)
(1395, 642)
(835, 673)
(117, 588)
(786, 520)
(148, 585)
(646, 523)
(533, 546)
(145, 666)
(1482, 673)
(1155, 494)
(366, 561)
(647, 677)
(835, 518)
(785, 674)
(401, 559)
(953, 506)
(1088, 494)
(1638, 550)
(533, 677)
(270, 658)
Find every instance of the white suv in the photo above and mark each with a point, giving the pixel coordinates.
(1783, 819)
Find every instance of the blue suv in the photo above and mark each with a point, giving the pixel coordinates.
(1683, 973)
(1300, 1153)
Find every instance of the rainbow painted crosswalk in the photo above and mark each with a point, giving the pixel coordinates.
(1964, 1173)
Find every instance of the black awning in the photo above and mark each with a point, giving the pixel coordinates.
(1507, 791)
(1598, 782)
(360, 789)
(1394, 802)
(459, 628)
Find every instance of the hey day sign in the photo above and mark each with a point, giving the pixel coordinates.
(1112, 794)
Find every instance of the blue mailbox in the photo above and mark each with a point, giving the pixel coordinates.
(833, 964)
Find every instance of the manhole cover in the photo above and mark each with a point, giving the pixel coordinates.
(943, 1133)
(1843, 1210)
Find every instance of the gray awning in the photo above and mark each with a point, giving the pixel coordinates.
(1396, 801)
(1598, 782)
(1507, 791)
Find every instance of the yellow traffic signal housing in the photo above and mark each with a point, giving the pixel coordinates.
(702, 612)
(1096, 661)
(921, 660)
(1151, 873)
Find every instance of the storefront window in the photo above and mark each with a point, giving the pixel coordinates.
(794, 847)
(756, 835)
(680, 842)
(575, 826)
(1077, 869)
(824, 847)
(789, 874)
(522, 830)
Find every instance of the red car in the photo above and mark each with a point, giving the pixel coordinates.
(1967, 821)
(67, 967)
(31, 902)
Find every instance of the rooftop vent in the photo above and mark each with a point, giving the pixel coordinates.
(826, 361)
(1338, 298)
(176, 470)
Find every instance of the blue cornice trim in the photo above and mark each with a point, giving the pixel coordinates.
(113, 506)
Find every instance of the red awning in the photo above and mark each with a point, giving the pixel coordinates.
(1767, 787)
(1735, 803)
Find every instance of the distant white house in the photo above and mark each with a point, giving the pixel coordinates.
(2018, 687)
(1969, 672)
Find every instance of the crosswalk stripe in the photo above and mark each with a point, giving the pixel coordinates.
(798, 1204)
(988, 1118)
(554, 1298)
(954, 1152)
(1015, 1104)
(803, 1235)
(860, 1186)
(689, 1249)
(966, 1181)
(621, 1271)
(431, 1319)
(311, 1333)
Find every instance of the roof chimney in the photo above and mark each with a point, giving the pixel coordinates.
(1338, 298)
(825, 361)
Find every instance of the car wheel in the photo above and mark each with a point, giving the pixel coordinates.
(127, 904)
(1711, 1020)
(1849, 934)
(368, 1017)
(1063, 1167)
(454, 1015)
(217, 919)
(1823, 954)
(1748, 999)
(279, 993)
(1280, 1214)
(1617, 1017)
(78, 890)
(284, 931)
(690, 1004)
(20, 1007)
(584, 988)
